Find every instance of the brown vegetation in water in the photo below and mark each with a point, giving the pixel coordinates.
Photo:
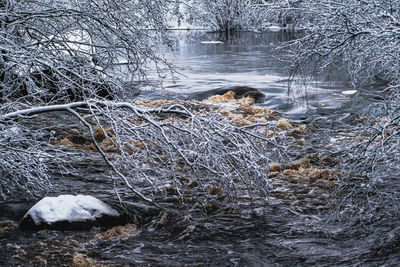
(243, 112)
(240, 112)
(7, 226)
(69, 141)
(227, 97)
(239, 117)
(303, 171)
(120, 232)
(80, 260)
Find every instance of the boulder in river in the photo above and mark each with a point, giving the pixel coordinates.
(69, 212)
(239, 91)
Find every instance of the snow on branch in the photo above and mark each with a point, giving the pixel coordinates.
(361, 36)
(174, 145)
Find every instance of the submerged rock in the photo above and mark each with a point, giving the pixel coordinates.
(70, 212)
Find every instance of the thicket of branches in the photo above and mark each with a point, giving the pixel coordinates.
(367, 156)
(362, 36)
(65, 51)
(22, 161)
(63, 56)
(147, 149)
(227, 15)
(230, 15)
(57, 52)
(60, 51)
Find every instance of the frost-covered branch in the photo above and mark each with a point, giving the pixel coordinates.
(228, 15)
(169, 145)
(367, 157)
(22, 162)
(361, 36)
(65, 51)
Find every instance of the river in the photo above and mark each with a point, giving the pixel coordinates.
(292, 226)
(207, 61)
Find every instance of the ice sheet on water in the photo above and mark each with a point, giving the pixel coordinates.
(212, 42)
(349, 92)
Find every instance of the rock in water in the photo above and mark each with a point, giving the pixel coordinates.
(70, 212)
(240, 92)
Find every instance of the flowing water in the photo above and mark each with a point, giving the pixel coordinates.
(290, 228)
(207, 61)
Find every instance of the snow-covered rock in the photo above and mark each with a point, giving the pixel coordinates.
(70, 212)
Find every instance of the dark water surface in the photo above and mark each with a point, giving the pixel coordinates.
(290, 228)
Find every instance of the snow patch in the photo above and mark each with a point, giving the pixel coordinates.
(69, 208)
(349, 92)
(212, 42)
(274, 28)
